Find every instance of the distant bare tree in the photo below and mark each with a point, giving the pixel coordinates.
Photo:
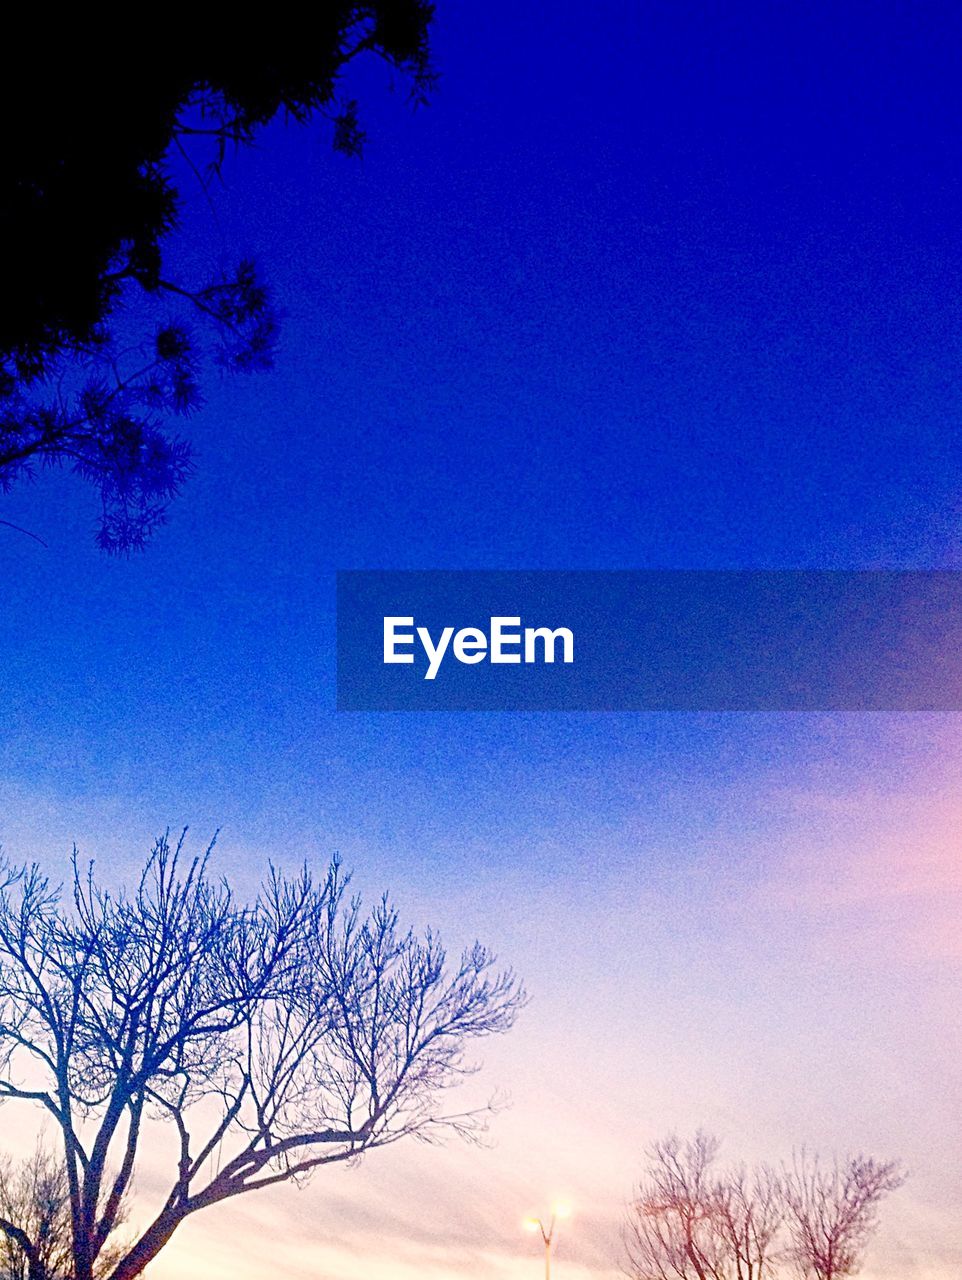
(833, 1210)
(691, 1221)
(35, 1204)
(673, 1230)
(275, 1036)
(34, 1201)
(749, 1213)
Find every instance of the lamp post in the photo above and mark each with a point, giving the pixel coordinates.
(547, 1233)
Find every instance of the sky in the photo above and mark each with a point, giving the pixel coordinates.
(644, 287)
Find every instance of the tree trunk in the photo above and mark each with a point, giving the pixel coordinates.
(148, 1246)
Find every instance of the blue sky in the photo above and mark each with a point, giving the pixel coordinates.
(624, 296)
(644, 286)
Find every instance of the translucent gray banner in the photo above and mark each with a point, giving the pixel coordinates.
(649, 641)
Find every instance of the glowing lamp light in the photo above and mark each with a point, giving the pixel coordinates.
(560, 1209)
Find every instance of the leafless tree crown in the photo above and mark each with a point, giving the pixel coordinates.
(832, 1211)
(692, 1220)
(274, 1036)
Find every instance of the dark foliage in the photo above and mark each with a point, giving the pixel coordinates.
(87, 197)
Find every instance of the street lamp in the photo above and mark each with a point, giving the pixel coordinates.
(558, 1210)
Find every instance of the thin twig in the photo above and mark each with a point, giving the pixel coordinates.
(36, 537)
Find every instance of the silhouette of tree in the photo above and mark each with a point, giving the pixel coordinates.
(35, 1213)
(749, 1212)
(274, 1036)
(87, 195)
(673, 1230)
(833, 1210)
(33, 1207)
(691, 1220)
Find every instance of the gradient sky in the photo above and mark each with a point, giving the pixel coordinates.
(653, 287)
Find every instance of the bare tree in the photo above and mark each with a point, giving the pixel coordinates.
(673, 1229)
(690, 1221)
(833, 1210)
(34, 1200)
(274, 1036)
(749, 1213)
